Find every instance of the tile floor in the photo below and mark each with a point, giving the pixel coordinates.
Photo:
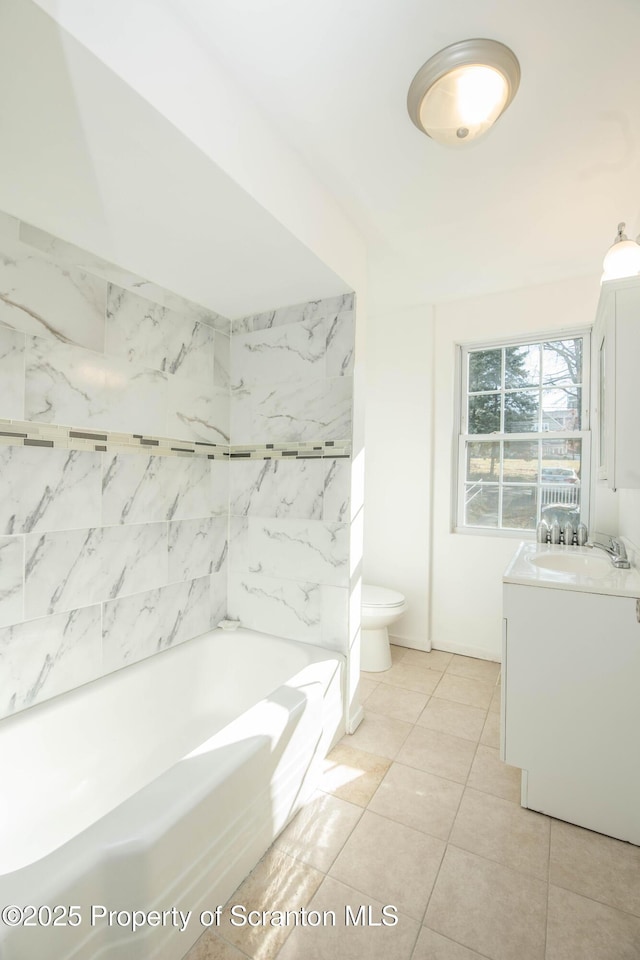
(416, 810)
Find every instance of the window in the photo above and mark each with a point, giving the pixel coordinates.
(524, 441)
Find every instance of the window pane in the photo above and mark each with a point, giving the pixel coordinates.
(485, 370)
(480, 505)
(484, 413)
(519, 508)
(562, 363)
(521, 411)
(562, 408)
(520, 461)
(560, 495)
(522, 366)
(483, 461)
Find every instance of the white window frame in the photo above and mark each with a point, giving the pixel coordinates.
(462, 437)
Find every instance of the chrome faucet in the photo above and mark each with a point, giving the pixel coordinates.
(616, 552)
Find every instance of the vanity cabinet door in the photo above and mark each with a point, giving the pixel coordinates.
(571, 674)
(616, 384)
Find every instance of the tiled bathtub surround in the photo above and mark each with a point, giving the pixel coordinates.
(135, 434)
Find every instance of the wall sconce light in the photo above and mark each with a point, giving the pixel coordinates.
(622, 259)
(458, 94)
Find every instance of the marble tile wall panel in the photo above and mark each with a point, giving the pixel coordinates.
(77, 568)
(69, 385)
(142, 625)
(218, 594)
(300, 410)
(197, 411)
(11, 579)
(197, 548)
(291, 549)
(294, 352)
(9, 227)
(42, 658)
(60, 303)
(278, 488)
(151, 335)
(285, 608)
(222, 361)
(137, 489)
(219, 473)
(68, 253)
(295, 313)
(44, 489)
(337, 491)
(11, 374)
(340, 345)
(296, 609)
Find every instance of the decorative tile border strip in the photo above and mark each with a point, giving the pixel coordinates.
(21, 433)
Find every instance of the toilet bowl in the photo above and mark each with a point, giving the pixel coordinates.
(380, 608)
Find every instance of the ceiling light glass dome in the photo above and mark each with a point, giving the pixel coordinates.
(459, 93)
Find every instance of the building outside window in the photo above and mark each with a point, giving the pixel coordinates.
(524, 434)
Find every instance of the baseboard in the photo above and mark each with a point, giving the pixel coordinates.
(464, 650)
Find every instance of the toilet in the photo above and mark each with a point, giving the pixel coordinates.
(380, 608)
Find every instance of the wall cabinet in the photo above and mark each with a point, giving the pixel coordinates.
(571, 705)
(616, 384)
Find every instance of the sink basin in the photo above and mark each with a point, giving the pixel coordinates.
(581, 564)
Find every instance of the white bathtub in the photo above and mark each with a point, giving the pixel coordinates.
(158, 786)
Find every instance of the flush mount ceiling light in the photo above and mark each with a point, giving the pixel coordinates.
(457, 95)
(622, 259)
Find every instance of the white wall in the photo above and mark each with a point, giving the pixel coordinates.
(398, 428)
(467, 569)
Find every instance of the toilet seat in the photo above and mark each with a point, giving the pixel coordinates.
(380, 597)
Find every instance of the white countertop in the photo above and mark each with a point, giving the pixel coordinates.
(616, 583)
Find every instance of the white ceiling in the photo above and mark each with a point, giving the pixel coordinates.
(537, 200)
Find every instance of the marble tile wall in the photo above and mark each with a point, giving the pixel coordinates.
(124, 554)
(80, 350)
(289, 548)
(292, 373)
(106, 557)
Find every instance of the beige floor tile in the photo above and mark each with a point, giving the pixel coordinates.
(496, 700)
(374, 677)
(490, 775)
(353, 775)
(503, 831)
(432, 946)
(458, 719)
(380, 735)
(320, 830)
(438, 753)
(581, 929)
(391, 863)
(396, 702)
(278, 882)
(412, 677)
(367, 687)
(418, 799)
(211, 946)
(491, 731)
(595, 866)
(474, 668)
(476, 693)
(433, 659)
(397, 652)
(488, 907)
(341, 942)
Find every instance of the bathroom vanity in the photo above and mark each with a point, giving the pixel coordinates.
(571, 686)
